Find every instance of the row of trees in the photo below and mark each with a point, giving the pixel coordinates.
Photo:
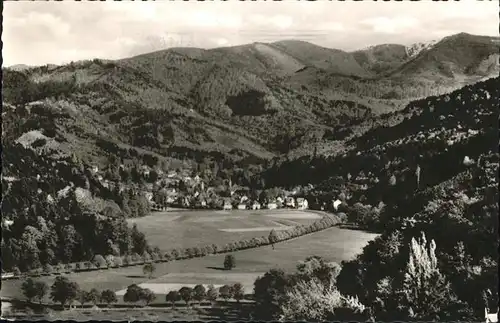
(64, 291)
(198, 293)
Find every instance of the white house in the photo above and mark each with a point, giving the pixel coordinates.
(302, 203)
(242, 206)
(336, 204)
(255, 205)
(289, 202)
(272, 205)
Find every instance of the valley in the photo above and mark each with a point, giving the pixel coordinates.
(133, 185)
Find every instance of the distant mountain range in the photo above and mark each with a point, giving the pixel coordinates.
(252, 101)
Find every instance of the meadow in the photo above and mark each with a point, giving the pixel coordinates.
(334, 244)
(182, 229)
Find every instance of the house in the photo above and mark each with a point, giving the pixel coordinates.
(242, 206)
(336, 204)
(272, 205)
(203, 203)
(490, 317)
(302, 203)
(255, 205)
(227, 206)
(290, 202)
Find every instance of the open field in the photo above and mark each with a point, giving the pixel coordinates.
(333, 244)
(183, 229)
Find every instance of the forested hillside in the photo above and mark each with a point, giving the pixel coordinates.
(427, 180)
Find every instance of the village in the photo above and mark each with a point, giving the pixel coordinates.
(185, 189)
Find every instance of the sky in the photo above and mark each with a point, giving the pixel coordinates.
(39, 32)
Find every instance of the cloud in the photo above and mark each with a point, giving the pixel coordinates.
(38, 33)
(393, 25)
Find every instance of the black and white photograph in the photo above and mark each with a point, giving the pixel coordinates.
(270, 161)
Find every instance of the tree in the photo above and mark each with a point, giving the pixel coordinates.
(313, 301)
(149, 269)
(108, 296)
(147, 295)
(83, 297)
(199, 293)
(425, 294)
(269, 290)
(225, 292)
(94, 296)
(63, 290)
(273, 237)
(212, 293)
(238, 292)
(229, 262)
(29, 289)
(172, 297)
(133, 294)
(186, 294)
(41, 290)
(139, 242)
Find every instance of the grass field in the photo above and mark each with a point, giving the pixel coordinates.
(183, 229)
(333, 244)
